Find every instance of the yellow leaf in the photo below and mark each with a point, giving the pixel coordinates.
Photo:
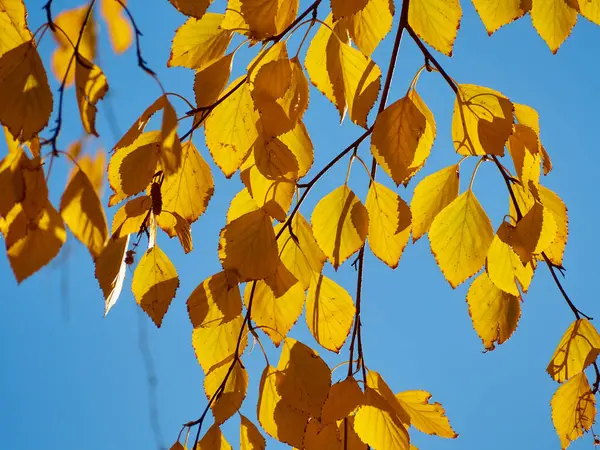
(119, 29)
(188, 190)
(425, 417)
(558, 210)
(431, 196)
(403, 136)
(534, 232)
(344, 8)
(210, 81)
(349, 79)
(389, 224)
(380, 391)
(267, 18)
(250, 437)
(193, 8)
(215, 345)
(377, 424)
(130, 217)
(304, 258)
(215, 301)
(590, 10)
(503, 265)
(43, 238)
(26, 97)
(132, 168)
(350, 440)
(370, 25)
(82, 211)
(12, 183)
(178, 446)
(275, 314)
(248, 246)
(436, 22)
(343, 399)
(199, 42)
(329, 313)
(241, 204)
(90, 87)
(497, 13)
(340, 224)
(233, 393)
(154, 284)
(70, 22)
(13, 23)
(573, 409)
(578, 348)
(482, 121)
(175, 225)
(553, 20)
(213, 440)
(298, 142)
(95, 169)
(318, 436)
(460, 236)
(303, 378)
(280, 420)
(111, 269)
(139, 125)
(527, 116)
(230, 129)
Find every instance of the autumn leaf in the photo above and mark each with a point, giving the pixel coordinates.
(573, 409)
(369, 25)
(26, 97)
(250, 437)
(154, 284)
(267, 18)
(213, 440)
(318, 435)
(426, 417)
(90, 87)
(389, 224)
(216, 345)
(210, 81)
(340, 224)
(495, 14)
(233, 392)
(553, 20)
(460, 236)
(242, 203)
(343, 399)
(15, 31)
(215, 301)
(119, 28)
(436, 22)
(482, 121)
(403, 135)
(345, 8)
(130, 217)
(111, 270)
(349, 79)
(578, 348)
(192, 8)
(431, 196)
(534, 232)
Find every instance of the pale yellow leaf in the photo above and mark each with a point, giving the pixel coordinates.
(431, 196)
(578, 348)
(329, 313)
(426, 417)
(215, 345)
(340, 224)
(154, 284)
(436, 22)
(460, 236)
(573, 409)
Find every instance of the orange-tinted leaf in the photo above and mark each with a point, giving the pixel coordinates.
(193, 8)
(119, 28)
(250, 437)
(343, 399)
(215, 301)
(213, 440)
(111, 269)
(215, 345)
(233, 393)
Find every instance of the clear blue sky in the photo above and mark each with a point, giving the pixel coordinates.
(71, 379)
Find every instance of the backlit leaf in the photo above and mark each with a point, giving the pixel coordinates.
(403, 137)
(482, 121)
(343, 399)
(241, 204)
(119, 28)
(248, 246)
(13, 23)
(426, 417)
(431, 196)
(370, 25)
(303, 378)
(497, 13)
(82, 211)
(340, 224)
(130, 217)
(70, 22)
(199, 42)
(389, 224)
(267, 18)
(573, 409)
(553, 20)
(215, 345)
(215, 301)
(558, 210)
(250, 437)
(210, 81)
(523, 146)
(280, 420)
(349, 79)
(111, 269)
(534, 232)
(329, 313)
(26, 97)
(90, 87)
(436, 22)
(230, 128)
(154, 284)
(318, 436)
(344, 8)
(460, 236)
(193, 8)
(233, 393)
(578, 348)
(213, 440)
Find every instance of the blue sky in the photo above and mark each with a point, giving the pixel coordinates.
(70, 378)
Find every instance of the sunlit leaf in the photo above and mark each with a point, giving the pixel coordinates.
(233, 393)
(436, 22)
(210, 81)
(13, 23)
(90, 87)
(426, 417)
(193, 8)
(497, 13)
(343, 399)
(215, 345)
(370, 25)
(213, 440)
(120, 31)
(558, 210)
(318, 436)
(215, 301)
(250, 437)
(130, 217)
(241, 204)
(553, 20)
(267, 18)
(534, 232)
(111, 269)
